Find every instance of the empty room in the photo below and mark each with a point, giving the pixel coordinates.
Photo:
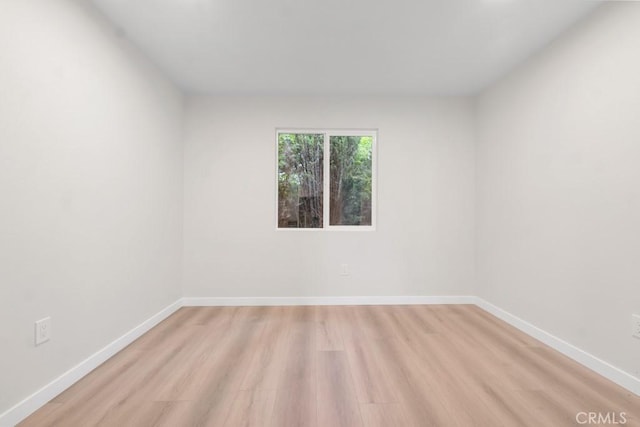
(319, 213)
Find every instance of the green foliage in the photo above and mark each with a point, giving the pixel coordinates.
(351, 178)
(300, 187)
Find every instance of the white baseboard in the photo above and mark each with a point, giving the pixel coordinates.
(350, 300)
(597, 365)
(32, 403)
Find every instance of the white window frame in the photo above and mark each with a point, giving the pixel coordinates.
(328, 133)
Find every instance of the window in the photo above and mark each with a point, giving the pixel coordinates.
(326, 180)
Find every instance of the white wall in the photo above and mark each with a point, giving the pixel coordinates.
(90, 185)
(559, 187)
(423, 244)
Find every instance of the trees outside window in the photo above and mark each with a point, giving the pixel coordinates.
(326, 179)
(300, 180)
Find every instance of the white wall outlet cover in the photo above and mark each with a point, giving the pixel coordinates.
(344, 269)
(636, 325)
(43, 330)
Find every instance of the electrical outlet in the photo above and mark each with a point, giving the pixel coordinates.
(636, 325)
(43, 330)
(344, 269)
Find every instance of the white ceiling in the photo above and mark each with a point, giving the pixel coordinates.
(440, 47)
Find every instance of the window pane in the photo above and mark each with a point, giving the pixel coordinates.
(300, 174)
(350, 180)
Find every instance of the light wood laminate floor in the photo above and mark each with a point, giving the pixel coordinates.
(436, 365)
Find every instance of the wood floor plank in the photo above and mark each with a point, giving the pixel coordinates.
(174, 377)
(424, 391)
(373, 378)
(165, 330)
(135, 413)
(251, 408)
(42, 416)
(270, 355)
(328, 335)
(555, 370)
(382, 415)
(488, 364)
(97, 379)
(296, 404)
(414, 366)
(550, 411)
(337, 400)
(89, 408)
(214, 388)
